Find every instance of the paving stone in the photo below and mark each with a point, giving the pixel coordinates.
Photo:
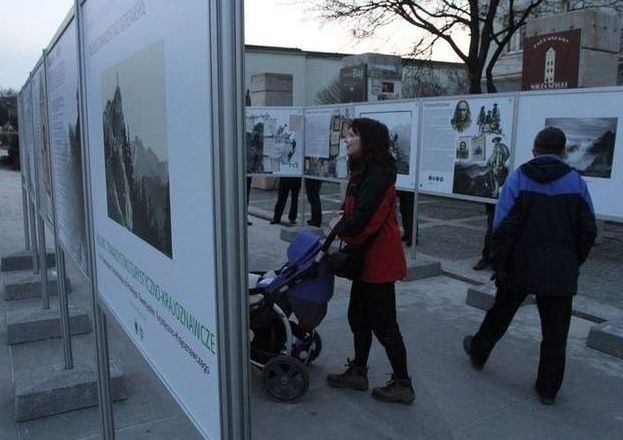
(421, 268)
(607, 337)
(483, 297)
(25, 284)
(22, 261)
(35, 324)
(45, 391)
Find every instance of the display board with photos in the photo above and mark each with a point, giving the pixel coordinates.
(325, 150)
(25, 127)
(65, 145)
(401, 119)
(40, 143)
(466, 148)
(592, 122)
(274, 140)
(149, 103)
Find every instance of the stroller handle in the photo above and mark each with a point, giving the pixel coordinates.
(328, 241)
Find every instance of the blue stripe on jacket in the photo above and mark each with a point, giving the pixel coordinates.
(517, 182)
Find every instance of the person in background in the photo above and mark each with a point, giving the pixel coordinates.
(369, 224)
(406, 199)
(312, 190)
(249, 181)
(287, 186)
(543, 231)
(485, 259)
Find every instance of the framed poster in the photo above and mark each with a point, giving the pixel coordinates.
(149, 126)
(65, 146)
(466, 146)
(274, 140)
(401, 119)
(325, 150)
(592, 122)
(40, 143)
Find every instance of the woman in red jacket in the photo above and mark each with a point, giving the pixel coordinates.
(369, 223)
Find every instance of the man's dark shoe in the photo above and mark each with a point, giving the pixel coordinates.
(354, 377)
(275, 222)
(314, 224)
(467, 346)
(482, 264)
(293, 222)
(395, 391)
(545, 400)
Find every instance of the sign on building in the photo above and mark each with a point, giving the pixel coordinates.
(552, 61)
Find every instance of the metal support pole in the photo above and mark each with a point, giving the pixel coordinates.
(25, 215)
(45, 298)
(34, 249)
(99, 318)
(61, 272)
(304, 204)
(227, 66)
(416, 189)
(63, 305)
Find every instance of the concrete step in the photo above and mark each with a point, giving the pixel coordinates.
(607, 337)
(22, 261)
(483, 297)
(34, 324)
(25, 284)
(49, 390)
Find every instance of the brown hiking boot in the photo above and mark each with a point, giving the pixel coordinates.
(396, 391)
(354, 377)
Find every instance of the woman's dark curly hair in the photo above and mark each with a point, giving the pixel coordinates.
(375, 144)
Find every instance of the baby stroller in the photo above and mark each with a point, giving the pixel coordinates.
(285, 307)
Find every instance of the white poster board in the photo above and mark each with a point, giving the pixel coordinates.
(25, 141)
(41, 151)
(150, 145)
(466, 146)
(401, 118)
(65, 147)
(274, 140)
(593, 124)
(325, 150)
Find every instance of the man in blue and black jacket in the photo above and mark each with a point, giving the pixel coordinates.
(544, 228)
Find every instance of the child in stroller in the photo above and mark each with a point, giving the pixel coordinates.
(285, 307)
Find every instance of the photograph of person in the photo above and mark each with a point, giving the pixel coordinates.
(462, 118)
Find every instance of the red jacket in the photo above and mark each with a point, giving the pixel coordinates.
(369, 209)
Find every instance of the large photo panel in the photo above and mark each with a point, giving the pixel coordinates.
(325, 150)
(65, 146)
(401, 119)
(150, 150)
(274, 140)
(466, 146)
(591, 122)
(41, 154)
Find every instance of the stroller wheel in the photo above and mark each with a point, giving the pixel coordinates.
(285, 379)
(316, 347)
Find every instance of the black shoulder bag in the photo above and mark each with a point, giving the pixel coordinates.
(348, 261)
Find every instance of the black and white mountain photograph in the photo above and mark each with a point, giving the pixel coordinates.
(399, 125)
(590, 144)
(135, 147)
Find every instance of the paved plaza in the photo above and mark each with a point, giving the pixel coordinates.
(453, 401)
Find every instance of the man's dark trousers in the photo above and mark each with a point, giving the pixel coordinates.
(555, 314)
(292, 186)
(312, 190)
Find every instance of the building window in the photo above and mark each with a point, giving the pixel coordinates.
(516, 42)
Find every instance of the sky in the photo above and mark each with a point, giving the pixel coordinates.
(28, 25)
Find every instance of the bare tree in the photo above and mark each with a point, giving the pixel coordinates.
(331, 93)
(490, 24)
(423, 78)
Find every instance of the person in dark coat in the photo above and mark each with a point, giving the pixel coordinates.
(312, 191)
(369, 223)
(544, 228)
(287, 186)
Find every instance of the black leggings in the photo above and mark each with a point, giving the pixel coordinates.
(372, 309)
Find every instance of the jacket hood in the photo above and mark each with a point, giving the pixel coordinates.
(544, 169)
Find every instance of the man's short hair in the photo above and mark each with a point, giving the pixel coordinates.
(551, 140)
